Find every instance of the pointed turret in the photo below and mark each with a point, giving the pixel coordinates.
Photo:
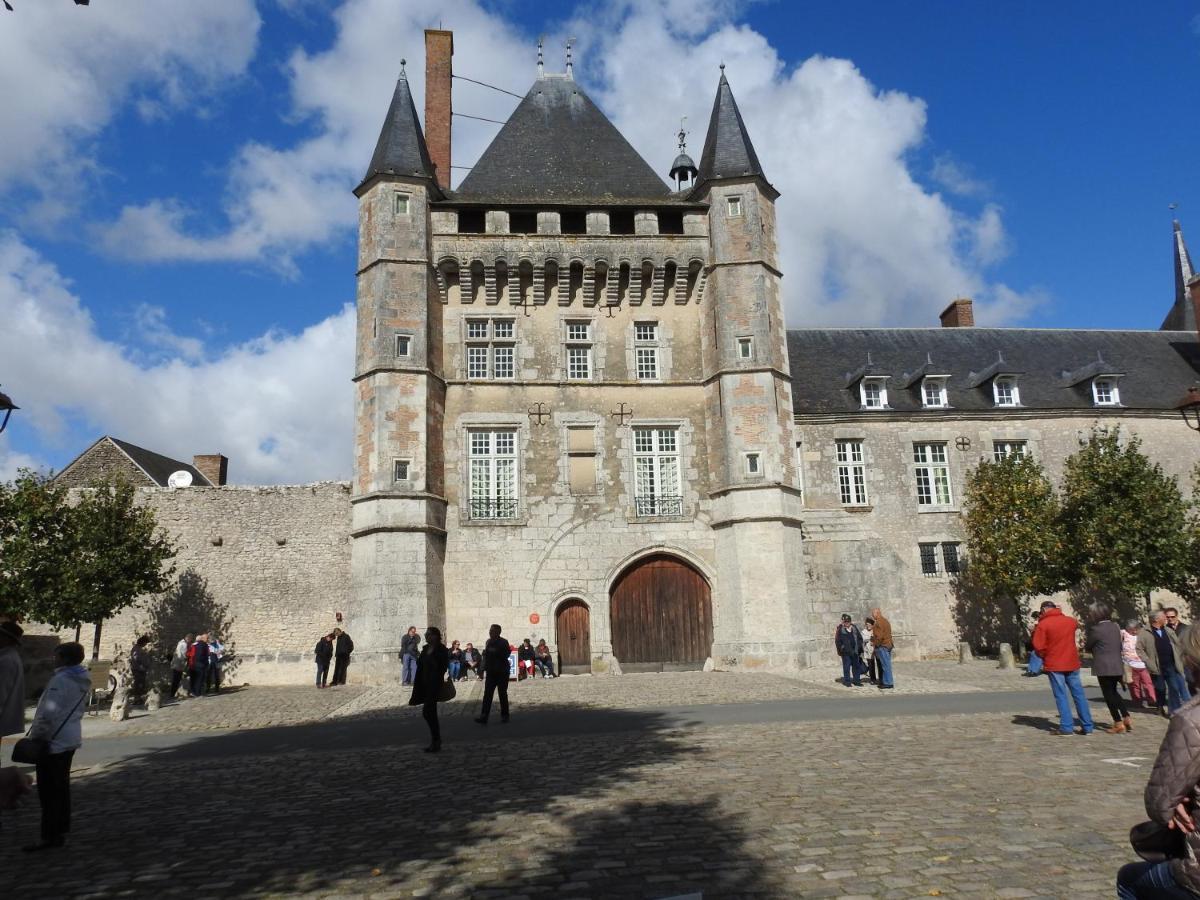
(401, 148)
(1182, 316)
(728, 150)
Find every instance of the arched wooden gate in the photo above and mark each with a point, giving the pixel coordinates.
(661, 612)
(573, 635)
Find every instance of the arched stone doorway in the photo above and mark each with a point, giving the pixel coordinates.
(573, 636)
(661, 613)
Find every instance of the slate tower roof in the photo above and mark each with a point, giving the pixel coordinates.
(401, 148)
(1182, 316)
(728, 150)
(558, 147)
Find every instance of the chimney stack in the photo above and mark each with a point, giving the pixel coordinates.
(439, 70)
(212, 466)
(959, 314)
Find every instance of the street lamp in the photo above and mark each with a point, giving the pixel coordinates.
(6, 407)
(1189, 408)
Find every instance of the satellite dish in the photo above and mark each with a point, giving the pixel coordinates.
(182, 478)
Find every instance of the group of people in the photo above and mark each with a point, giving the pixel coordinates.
(467, 661)
(865, 650)
(334, 647)
(199, 656)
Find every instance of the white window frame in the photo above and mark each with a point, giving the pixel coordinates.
(1005, 448)
(851, 472)
(397, 465)
(404, 341)
(931, 468)
(733, 207)
(745, 348)
(657, 471)
(645, 351)
(752, 463)
(493, 473)
(938, 383)
(879, 381)
(491, 348)
(1009, 381)
(577, 346)
(1114, 390)
(401, 204)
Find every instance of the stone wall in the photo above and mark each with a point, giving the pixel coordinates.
(102, 460)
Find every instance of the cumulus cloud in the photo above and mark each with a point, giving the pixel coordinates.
(68, 70)
(279, 406)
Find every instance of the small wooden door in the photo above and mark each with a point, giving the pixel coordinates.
(573, 633)
(661, 614)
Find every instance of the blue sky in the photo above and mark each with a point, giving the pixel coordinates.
(177, 230)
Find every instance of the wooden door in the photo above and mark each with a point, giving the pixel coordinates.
(573, 634)
(661, 612)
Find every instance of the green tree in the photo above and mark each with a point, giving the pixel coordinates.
(1014, 547)
(37, 551)
(122, 553)
(1125, 522)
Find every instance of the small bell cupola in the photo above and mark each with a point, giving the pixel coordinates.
(683, 170)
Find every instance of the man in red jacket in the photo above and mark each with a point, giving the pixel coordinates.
(1054, 641)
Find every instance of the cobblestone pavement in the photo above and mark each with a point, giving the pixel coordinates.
(984, 805)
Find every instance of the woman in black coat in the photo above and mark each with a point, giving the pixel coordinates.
(323, 653)
(427, 684)
(1104, 643)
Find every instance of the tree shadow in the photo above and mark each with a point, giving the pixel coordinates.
(189, 607)
(353, 805)
(985, 621)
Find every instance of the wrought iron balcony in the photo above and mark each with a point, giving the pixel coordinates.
(493, 508)
(658, 505)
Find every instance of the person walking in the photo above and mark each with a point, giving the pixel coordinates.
(881, 640)
(1171, 797)
(179, 663)
(849, 644)
(410, 649)
(57, 722)
(495, 668)
(427, 684)
(198, 666)
(1158, 647)
(12, 680)
(1054, 641)
(323, 653)
(343, 646)
(1137, 676)
(1104, 643)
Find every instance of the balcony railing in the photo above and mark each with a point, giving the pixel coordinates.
(493, 508)
(658, 505)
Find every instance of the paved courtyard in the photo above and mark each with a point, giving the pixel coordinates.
(639, 786)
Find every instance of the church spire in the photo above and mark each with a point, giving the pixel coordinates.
(728, 150)
(401, 148)
(1182, 316)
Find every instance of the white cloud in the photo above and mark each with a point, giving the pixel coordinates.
(956, 177)
(989, 240)
(280, 407)
(67, 70)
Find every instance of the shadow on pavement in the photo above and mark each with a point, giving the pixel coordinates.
(1041, 723)
(352, 805)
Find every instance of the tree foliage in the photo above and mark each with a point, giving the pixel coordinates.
(37, 550)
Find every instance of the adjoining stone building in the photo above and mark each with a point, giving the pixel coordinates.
(579, 414)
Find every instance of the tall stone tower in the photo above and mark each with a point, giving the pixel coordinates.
(752, 439)
(399, 511)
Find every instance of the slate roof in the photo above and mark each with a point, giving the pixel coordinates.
(401, 148)
(728, 150)
(158, 468)
(558, 147)
(1157, 366)
(1182, 316)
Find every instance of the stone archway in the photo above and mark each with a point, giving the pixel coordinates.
(661, 615)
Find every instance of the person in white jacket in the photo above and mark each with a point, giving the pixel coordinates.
(57, 720)
(179, 663)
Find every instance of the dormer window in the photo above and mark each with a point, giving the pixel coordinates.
(1005, 391)
(1105, 391)
(873, 393)
(933, 393)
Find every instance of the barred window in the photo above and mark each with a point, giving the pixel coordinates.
(493, 473)
(1003, 449)
(851, 473)
(929, 560)
(933, 474)
(490, 348)
(950, 558)
(657, 490)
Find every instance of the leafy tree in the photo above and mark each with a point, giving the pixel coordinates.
(37, 551)
(1014, 546)
(1125, 521)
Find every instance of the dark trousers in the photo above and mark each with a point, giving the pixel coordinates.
(429, 711)
(872, 670)
(493, 683)
(341, 663)
(851, 670)
(322, 673)
(198, 676)
(54, 792)
(176, 680)
(546, 665)
(213, 677)
(1116, 703)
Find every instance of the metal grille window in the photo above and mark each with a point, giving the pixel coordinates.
(929, 560)
(493, 473)
(851, 473)
(933, 475)
(490, 348)
(950, 558)
(1003, 449)
(1005, 392)
(657, 490)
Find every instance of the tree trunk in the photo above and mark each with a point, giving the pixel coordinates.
(96, 641)
(78, 628)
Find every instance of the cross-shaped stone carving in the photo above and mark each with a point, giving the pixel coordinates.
(539, 412)
(963, 444)
(621, 413)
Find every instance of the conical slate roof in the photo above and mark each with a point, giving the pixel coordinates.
(401, 148)
(1182, 316)
(558, 147)
(728, 150)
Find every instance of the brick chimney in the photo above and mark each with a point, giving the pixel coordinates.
(439, 69)
(959, 314)
(1193, 287)
(212, 466)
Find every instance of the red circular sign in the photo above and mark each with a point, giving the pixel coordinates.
(534, 618)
